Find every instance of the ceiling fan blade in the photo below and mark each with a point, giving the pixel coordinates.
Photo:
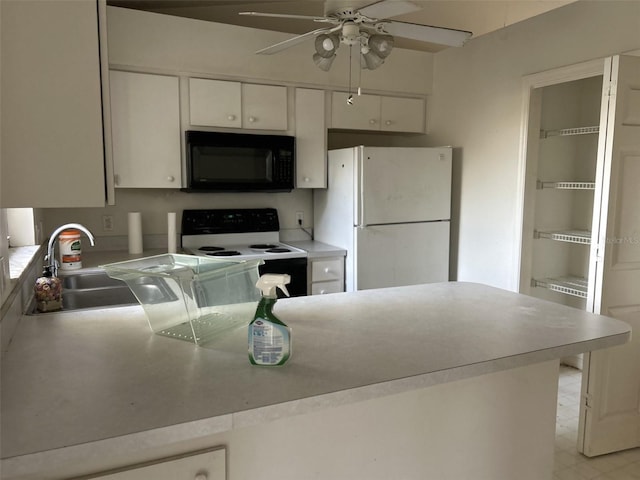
(426, 33)
(389, 8)
(286, 15)
(278, 47)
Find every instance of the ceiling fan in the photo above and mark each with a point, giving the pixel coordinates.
(367, 27)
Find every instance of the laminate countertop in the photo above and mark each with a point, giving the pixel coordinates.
(74, 383)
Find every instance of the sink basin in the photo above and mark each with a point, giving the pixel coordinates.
(97, 298)
(93, 288)
(89, 279)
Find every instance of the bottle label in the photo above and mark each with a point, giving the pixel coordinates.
(268, 343)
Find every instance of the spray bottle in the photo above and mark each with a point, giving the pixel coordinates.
(269, 338)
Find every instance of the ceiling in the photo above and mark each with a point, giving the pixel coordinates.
(476, 16)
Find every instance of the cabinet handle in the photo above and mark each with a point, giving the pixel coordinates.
(171, 178)
(322, 292)
(388, 122)
(231, 118)
(252, 119)
(326, 270)
(201, 476)
(372, 121)
(307, 179)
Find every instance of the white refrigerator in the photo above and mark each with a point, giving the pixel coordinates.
(389, 208)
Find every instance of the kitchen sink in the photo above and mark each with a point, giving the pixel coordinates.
(92, 288)
(97, 278)
(97, 298)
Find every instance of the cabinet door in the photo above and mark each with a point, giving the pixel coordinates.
(402, 114)
(145, 117)
(206, 466)
(363, 114)
(52, 138)
(264, 107)
(311, 139)
(214, 103)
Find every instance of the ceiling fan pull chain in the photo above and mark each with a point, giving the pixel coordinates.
(359, 74)
(350, 97)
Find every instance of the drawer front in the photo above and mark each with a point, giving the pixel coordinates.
(324, 270)
(323, 288)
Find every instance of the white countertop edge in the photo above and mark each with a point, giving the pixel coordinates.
(152, 441)
(133, 445)
(313, 404)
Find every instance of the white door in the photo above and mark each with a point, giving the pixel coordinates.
(405, 254)
(398, 185)
(610, 414)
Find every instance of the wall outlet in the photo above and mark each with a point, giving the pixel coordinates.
(300, 218)
(107, 223)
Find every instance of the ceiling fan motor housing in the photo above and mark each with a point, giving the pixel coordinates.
(350, 33)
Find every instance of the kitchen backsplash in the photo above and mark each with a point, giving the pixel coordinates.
(155, 203)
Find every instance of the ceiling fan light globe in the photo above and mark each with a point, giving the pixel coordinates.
(326, 45)
(381, 45)
(371, 60)
(323, 63)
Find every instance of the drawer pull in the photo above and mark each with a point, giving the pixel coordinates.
(201, 476)
(231, 118)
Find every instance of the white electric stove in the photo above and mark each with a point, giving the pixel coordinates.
(245, 234)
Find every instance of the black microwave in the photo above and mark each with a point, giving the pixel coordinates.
(239, 162)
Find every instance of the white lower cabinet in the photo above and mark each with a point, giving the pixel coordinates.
(145, 123)
(209, 465)
(327, 275)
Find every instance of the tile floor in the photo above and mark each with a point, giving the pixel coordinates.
(569, 464)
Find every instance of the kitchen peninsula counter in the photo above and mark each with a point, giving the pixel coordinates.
(89, 391)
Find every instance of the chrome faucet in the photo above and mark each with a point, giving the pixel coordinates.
(52, 263)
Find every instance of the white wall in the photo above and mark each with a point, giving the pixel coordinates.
(477, 105)
(163, 43)
(151, 40)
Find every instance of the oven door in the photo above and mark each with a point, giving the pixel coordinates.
(295, 267)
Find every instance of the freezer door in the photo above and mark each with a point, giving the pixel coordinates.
(403, 254)
(399, 184)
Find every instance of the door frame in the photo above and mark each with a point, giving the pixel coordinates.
(530, 84)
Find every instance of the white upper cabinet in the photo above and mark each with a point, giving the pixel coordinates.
(145, 119)
(214, 103)
(52, 129)
(264, 107)
(217, 103)
(311, 139)
(374, 112)
(402, 114)
(363, 114)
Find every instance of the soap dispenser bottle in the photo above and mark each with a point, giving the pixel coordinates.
(48, 292)
(269, 337)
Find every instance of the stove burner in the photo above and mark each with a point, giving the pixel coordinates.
(262, 246)
(211, 249)
(224, 253)
(278, 250)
